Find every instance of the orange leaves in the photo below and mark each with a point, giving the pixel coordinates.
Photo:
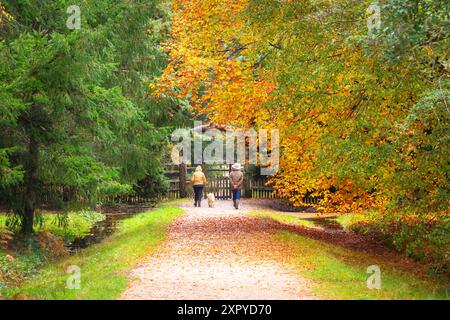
(5, 237)
(51, 243)
(238, 100)
(207, 63)
(255, 66)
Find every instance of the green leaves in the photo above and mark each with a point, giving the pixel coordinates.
(80, 98)
(9, 175)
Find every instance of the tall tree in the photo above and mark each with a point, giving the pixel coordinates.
(75, 110)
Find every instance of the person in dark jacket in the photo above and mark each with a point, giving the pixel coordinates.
(236, 181)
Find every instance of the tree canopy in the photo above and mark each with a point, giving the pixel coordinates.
(363, 116)
(363, 113)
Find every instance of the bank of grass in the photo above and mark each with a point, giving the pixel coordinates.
(341, 273)
(25, 256)
(103, 266)
(282, 218)
(424, 238)
(173, 203)
(347, 220)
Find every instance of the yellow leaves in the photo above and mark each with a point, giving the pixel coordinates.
(4, 15)
(313, 90)
(199, 54)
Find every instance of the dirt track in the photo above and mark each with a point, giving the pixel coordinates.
(217, 253)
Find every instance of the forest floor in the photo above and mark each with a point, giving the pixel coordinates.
(260, 253)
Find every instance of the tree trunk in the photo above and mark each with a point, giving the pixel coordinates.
(31, 186)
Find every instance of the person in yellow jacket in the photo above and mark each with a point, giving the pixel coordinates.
(198, 181)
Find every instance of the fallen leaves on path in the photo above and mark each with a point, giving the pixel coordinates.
(219, 254)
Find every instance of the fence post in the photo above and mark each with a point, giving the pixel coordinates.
(247, 188)
(182, 177)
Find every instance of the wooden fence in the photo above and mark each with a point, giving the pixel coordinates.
(259, 190)
(217, 183)
(220, 186)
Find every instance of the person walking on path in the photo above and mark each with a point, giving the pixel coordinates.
(236, 180)
(198, 181)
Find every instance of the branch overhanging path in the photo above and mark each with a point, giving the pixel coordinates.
(218, 253)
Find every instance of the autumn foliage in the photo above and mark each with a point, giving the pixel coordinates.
(363, 116)
(347, 112)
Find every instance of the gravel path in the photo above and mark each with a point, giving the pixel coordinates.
(217, 253)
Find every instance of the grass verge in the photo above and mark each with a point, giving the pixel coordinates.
(22, 257)
(347, 220)
(340, 273)
(282, 218)
(421, 237)
(103, 266)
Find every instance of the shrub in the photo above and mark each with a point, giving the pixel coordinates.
(25, 260)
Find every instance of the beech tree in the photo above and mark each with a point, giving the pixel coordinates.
(362, 113)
